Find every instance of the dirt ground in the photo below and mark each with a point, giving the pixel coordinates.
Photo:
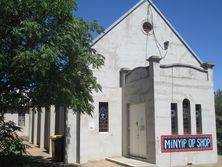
(42, 155)
(102, 163)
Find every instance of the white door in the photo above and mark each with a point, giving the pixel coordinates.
(137, 131)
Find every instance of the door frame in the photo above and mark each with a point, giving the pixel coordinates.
(128, 133)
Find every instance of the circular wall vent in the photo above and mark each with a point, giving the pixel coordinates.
(147, 27)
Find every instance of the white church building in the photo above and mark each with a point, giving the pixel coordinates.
(156, 104)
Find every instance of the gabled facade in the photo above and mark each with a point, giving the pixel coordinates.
(165, 81)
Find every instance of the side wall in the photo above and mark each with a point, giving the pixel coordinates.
(14, 117)
(42, 125)
(97, 145)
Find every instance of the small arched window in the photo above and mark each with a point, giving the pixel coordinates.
(186, 117)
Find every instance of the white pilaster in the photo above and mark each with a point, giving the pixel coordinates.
(42, 134)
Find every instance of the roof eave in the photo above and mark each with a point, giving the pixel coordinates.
(175, 32)
(117, 22)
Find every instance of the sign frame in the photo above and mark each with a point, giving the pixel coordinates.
(186, 136)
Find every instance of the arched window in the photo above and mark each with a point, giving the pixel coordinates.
(186, 117)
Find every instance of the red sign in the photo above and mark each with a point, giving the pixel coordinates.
(185, 143)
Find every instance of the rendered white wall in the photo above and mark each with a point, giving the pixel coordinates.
(71, 137)
(11, 117)
(35, 127)
(97, 145)
(52, 125)
(30, 126)
(42, 126)
(14, 117)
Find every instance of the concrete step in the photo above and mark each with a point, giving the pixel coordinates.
(129, 162)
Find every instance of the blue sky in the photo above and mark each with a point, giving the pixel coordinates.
(199, 22)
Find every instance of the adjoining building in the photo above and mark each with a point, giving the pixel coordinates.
(156, 104)
(21, 119)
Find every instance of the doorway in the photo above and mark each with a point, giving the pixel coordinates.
(137, 131)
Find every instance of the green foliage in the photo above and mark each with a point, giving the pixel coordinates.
(10, 143)
(45, 55)
(218, 108)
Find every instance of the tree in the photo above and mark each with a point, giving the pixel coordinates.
(10, 143)
(218, 108)
(45, 55)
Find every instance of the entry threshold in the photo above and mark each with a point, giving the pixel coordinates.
(129, 162)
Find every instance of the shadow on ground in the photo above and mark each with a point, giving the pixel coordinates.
(30, 161)
(24, 161)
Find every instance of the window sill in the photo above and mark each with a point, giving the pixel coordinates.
(103, 133)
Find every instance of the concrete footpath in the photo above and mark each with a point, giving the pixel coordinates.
(125, 162)
(36, 151)
(42, 156)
